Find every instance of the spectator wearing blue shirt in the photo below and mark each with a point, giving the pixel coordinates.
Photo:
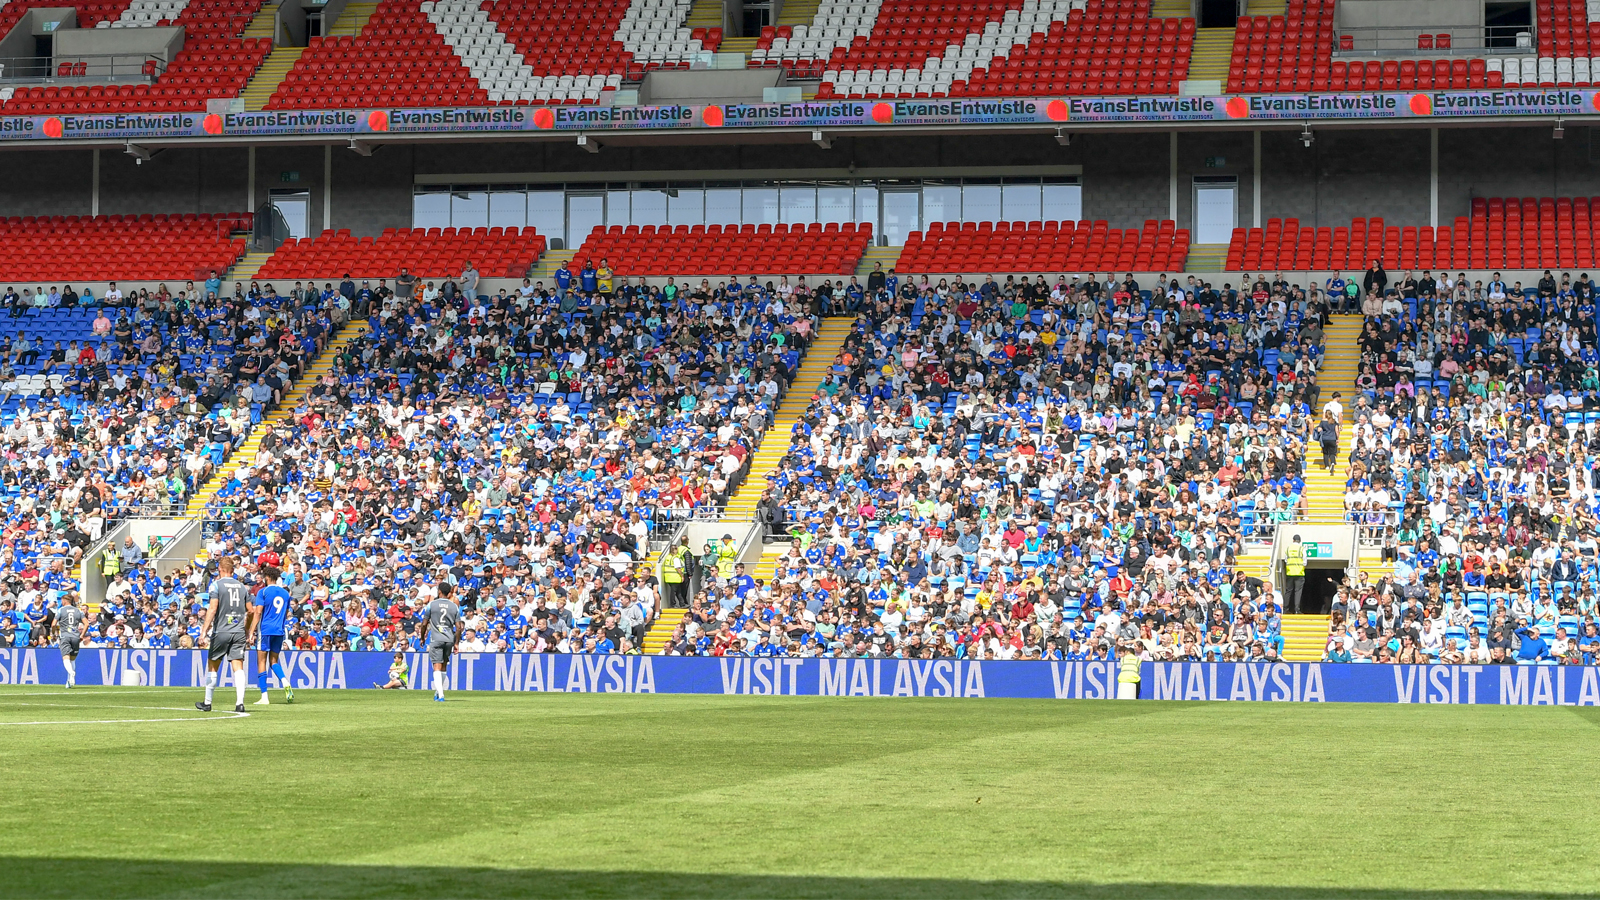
(589, 278)
(1533, 647)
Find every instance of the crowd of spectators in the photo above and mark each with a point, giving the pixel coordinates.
(133, 414)
(1477, 429)
(524, 446)
(1019, 469)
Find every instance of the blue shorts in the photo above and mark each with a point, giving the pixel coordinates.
(270, 643)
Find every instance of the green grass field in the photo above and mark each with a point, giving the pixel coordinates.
(361, 793)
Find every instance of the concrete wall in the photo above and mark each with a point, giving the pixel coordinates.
(1435, 15)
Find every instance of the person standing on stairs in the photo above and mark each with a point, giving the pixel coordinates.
(1328, 437)
(1294, 575)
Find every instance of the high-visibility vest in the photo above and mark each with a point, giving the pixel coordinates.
(110, 563)
(1294, 560)
(674, 569)
(1128, 672)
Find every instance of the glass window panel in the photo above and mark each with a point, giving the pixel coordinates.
(469, 209)
(1020, 202)
(900, 216)
(941, 203)
(547, 212)
(799, 204)
(835, 203)
(686, 206)
(1063, 201)
(430, 209)
(585, 212)
(980, 203)
(867, 206)
(724, 206)
(760, 206)
(508, 209)
(617, 212)
(649, 207)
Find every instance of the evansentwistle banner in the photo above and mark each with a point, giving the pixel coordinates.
(950, 111)
(1537, 685)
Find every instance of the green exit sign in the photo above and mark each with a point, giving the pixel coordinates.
(288, 176)
(1216, 162)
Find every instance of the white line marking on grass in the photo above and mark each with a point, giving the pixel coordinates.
(91, 692)
(220, 715)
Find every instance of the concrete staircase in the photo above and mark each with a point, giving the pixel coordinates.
(549, 262)
(886, 255)
(1304, 637)
(1213, 51)
(1205, 258)
(798, 12)
(252, 444)
(262, 23)
(1265, 7)
(1171, 9)
(767, 566)
(265, 82)
(704, 14)
(246, 267)
(738, 45)
(353, 19)
(819, 359)
(655, 640)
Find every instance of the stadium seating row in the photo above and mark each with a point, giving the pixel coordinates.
(703, 249)
(496, 252)
(1045, 247)
(57, 249)
(1527, 233)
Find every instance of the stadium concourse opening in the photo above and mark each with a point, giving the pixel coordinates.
(1322, 585)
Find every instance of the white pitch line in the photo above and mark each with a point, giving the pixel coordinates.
(222, 714)
(84, 691)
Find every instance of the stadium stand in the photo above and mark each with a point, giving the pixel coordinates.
(941, 495)
(215, 62)
(1018, 47)
(111, 411)
(705, 249)
(56, 249)
(1473, 454)
(466, 52)
(553, 457)
(1510, 233)
(1045, 247)
(495, 252)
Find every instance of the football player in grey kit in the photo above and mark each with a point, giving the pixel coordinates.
(71, 626)
(230, 619)
(444, 630)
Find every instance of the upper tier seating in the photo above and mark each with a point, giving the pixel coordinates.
(398, 59)
(428, 252)
(57, 249)
(1014, 47)
(468, 52)
(214, 63)
(703, 250)
(1529, 233)
(1045, 247)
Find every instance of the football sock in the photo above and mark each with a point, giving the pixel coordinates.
(72, 669)
(438, 683)
(261, 682)
(211, 685)
(277, 672)
(238, 690)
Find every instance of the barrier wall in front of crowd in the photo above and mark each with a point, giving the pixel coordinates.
(1536, 685)
(845, 114)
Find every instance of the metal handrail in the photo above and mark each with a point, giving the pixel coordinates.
(81, 69)
(1402, 40)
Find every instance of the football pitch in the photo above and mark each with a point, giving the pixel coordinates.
(130, 792)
